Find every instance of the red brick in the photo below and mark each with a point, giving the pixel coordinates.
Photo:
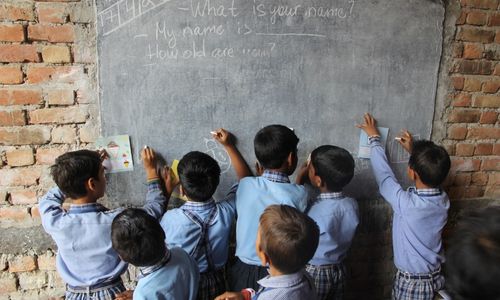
(8, 283)
(464, 116)
(484, 133)
(52, 33)
(23, 197)
(64, 135)
(492, 192)
(485, 4)
(472, 85)
(35, 212)
(475, 35)
(22, 263)
(477, 18)
(491, 87)
(74, 114)
(12, 118)
(456, 193)
(491, 165)
(26, 135)
(47, 156)
(494, 20)
(486, 101)
(56, 54)
(20, 97)
(60, 74)
(19, 176)
(61, 97)
(51, 13)
(20, 157)
(464, 149)
(496, 149)
(462, 179)
(483, 149)
(472, 51)
(462, 100)
(47, 262)
(458, 50)
(14, 214)
(465, 165)
(11, 75)
(461, 19)
(18, 53)
(450, 149)
(456, 132)
(497, 70)
(494, 179)
(16, 12)
(479, 178)
(11, 32)
(458, 83)
(497, 37)
(472, 67)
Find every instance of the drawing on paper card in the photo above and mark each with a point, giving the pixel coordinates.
(119, 153)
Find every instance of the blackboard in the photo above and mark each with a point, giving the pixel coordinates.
(170, 71)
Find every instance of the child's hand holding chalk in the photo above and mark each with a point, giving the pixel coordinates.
(222, 136)
(406, 140)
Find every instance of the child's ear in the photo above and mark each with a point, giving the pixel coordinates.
(292, 159)
(181, 191)
(412, 175)
(90, 184)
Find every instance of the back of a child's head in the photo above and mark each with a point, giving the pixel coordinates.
(288, 237)
(199, 175)
(72, 170)
(138, 237)
(273, 144)
(473, 257)
(430, 161)
(334, 165)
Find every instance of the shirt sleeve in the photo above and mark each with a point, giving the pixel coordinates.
(155, 200)
(230, 198)
(51, 210)
(388, 185)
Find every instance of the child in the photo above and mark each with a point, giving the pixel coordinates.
(165, 273)
(85, 259)
(286, 241)
(473, 258)
(330, 169)
(420, 213)
(202, 226)
(276, 152)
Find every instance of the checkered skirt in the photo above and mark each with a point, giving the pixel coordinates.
(211, 285)
(329, 280)
(405, 288)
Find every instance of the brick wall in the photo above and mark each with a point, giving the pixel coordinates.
(48, 105)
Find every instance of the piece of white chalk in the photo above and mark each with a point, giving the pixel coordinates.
(398, 139)
(213, 132)
(145, 146)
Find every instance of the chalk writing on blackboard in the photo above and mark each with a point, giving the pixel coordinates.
(217, 152)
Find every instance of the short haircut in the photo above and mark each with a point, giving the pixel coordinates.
(72, 170)
(273, 144)
(473, 258)
(288, 237)
(199, 175)
(334, 165)
(138, 237)
(430, 161)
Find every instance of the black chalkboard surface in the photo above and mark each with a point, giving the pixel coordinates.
(170, 71)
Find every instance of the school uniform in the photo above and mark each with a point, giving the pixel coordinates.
(419, 218)
(254, 194)
(202, 229)
(337, 217)
(176, 276)
(296, 286)
(85, 258)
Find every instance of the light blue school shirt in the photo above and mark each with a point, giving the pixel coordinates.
(83, 236)
(181, 232)
(419, 218)
(296, 286)
(254, 194)
(177, 279)
(337, 217)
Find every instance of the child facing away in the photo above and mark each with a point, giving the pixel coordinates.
(276, 151)
(85, 259)
(164, 273)
(202, 226)
(420, 213)
(330, 169)
(286, 241)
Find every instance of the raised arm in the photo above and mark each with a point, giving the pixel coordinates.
(51, 210)
(156, 201)
(226, 139)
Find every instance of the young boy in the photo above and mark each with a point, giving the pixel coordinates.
(420, 213)
(286, 241)
(330, 169)
(165, 273)
(85, 259)
(202, 226)
(276, 151)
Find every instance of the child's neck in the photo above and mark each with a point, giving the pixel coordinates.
(84, 200)
(274, 272)
(324, 190)
(420, 185)
(283, 170)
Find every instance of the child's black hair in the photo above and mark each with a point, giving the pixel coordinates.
(273, 144)
(430, 161)
(288, 237)
(334, 165)
(72, 170)
(138, 237)
(199, 175)
(473, 257)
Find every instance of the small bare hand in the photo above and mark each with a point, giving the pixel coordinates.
(127, 295)
(369, 126)
(149, 159)
(406, 140)
(169, 179)
(223, 136)
(102, 154)
(230, 296)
